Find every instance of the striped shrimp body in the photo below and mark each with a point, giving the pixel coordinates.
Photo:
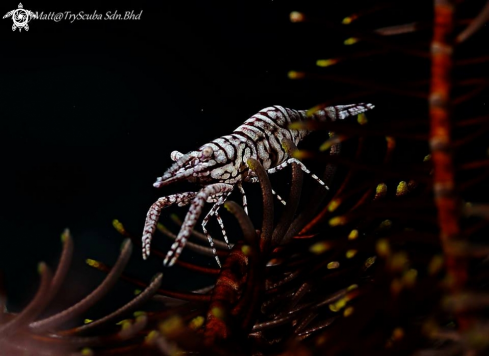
(221, 165)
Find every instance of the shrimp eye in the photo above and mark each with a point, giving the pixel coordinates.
(207, 152)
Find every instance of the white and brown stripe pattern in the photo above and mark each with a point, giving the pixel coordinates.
(221, 164)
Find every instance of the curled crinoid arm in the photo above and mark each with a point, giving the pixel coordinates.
(192, 217)
(153, 215)
(293, 198)
(35, 306)
(138, 300)
(87, 302)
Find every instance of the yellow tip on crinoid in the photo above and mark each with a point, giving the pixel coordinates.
(398, 333)
(251, 164)
(218, 313)
(350, 41)
(398, 261)
(296, 16)
(349, 19)
(383, 248)
(296, 75)
(319, 247)
(246, 250)
(172, 325)
(314, 110)
(435, 265)
(162, 228)
(65, 235)
(197, 322)
(226, 206)
(152, 335)
(333, 205)
(402, 189)
(362, 119)
(338, 305)
(326, 62)
(298, 125)
(348, 311)
(326, 146)
(337, 221)
(41, 267)
(92, 263)
(391, 142)
(176, 219)
(333, 265)
(353, 235)
(380, 191)
(86, 352)
(118, 226)
(301, 154)
(409, 278)
(385, 225)
(370, 261)
(381, 188)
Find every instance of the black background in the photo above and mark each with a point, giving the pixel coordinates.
(92, 109)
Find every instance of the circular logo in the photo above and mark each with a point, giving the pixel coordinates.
(21, 17)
